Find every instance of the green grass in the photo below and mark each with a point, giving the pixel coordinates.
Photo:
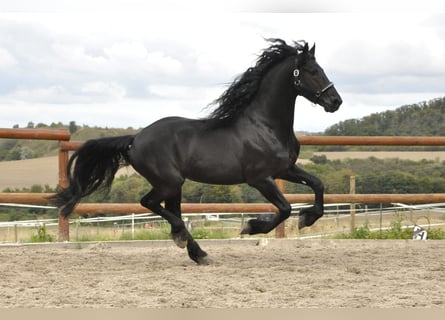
(146, 235)
(210, 230)
(41, 235)
(161, 232)
(211, 234)
(396, 231)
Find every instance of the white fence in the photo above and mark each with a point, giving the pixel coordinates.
(336, 217)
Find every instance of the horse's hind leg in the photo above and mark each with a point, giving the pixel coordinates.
(180, 234)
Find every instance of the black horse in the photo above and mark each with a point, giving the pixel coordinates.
(248, 138)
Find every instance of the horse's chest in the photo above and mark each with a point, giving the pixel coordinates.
(268, 161)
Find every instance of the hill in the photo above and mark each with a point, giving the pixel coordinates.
(14, 149)
(425, 118)
(421, 119)
(43, 171)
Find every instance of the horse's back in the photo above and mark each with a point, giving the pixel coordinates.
(188, 148)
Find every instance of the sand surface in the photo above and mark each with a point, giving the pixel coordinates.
(244, 273)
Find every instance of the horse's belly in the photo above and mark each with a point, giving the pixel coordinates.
(215, 168)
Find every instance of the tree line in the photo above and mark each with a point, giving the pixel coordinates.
(372, 176)
(420, 119)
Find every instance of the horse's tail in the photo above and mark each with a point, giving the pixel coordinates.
(95, 164)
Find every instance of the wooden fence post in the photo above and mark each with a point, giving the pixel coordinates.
(64, 227)
(352, 205)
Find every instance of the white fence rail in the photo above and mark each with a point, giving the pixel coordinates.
(335, 214)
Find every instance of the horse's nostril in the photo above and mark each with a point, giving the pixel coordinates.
(337, 102)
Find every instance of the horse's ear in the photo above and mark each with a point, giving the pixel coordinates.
(303, 55)
(312, 51)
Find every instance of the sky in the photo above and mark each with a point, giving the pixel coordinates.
(103, 63)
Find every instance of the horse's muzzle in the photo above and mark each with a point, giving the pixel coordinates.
(333, 105)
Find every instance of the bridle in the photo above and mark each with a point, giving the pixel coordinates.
(298, 84)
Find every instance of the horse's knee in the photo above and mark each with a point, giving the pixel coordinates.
(317, 185)
(285, 211)
(148, 203)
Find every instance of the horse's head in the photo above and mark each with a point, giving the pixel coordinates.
(312, 83)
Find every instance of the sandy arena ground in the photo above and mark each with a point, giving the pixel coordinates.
(244, 273)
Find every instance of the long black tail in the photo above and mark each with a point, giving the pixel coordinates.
(95, 164)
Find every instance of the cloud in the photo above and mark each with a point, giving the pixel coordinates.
(130, 57)
(103, 91)
(7, 61)
(133, 68)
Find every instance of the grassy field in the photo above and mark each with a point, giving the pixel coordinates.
(405, 155)
(43, 171)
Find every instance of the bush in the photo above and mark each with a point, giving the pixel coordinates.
(436, 234)
(42, 235)
(362, 233)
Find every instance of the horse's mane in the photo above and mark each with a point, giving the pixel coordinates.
(244, 88)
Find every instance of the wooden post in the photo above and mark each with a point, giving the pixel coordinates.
(64, 227)
(280, 230)
(352, 206)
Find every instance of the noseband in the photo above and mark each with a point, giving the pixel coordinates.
(299, 85)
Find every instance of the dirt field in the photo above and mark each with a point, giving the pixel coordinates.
(244, 273)
(39, 171)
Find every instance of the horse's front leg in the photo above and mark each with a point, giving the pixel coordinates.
(270, 191)
(308, 216)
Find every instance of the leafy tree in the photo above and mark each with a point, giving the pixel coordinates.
(26, 153)
(321, 159)
(129, 189)
(72, 127)
(205, 193)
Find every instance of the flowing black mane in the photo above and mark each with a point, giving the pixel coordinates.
(244, 88)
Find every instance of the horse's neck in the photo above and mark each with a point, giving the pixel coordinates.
(273, 107)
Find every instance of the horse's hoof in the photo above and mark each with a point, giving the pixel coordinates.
(246, 230)
(180, 239)
(196, 253)
(301, 222)
(255, 226)
(204, 261)
(180, 243)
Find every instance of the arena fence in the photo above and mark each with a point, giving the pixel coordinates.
(65, 146)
